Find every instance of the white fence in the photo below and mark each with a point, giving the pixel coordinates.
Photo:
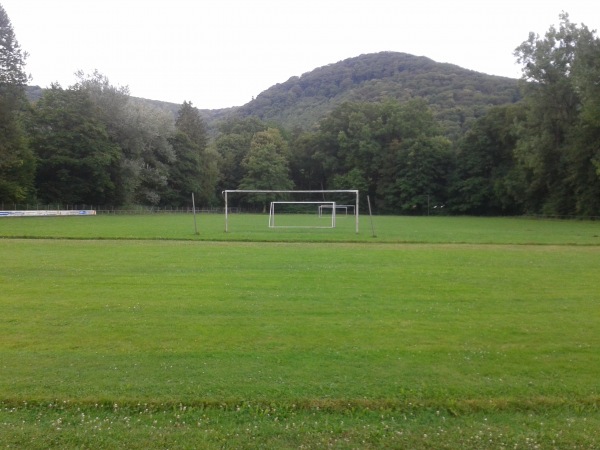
(47, 212)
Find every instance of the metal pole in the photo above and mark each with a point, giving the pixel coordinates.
(194, 208)
(333, 213)
(371, 216)
(356, 212)
(226, 218)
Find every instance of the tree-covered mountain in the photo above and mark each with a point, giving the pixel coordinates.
(210, 116)
(456, 95)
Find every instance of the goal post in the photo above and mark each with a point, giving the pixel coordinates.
(323, 192)
(331, 205)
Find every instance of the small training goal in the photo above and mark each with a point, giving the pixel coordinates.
(344, 209)
(293, 208)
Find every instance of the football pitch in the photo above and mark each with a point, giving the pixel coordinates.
(415, 332)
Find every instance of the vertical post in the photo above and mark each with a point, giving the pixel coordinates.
(226, 207)
(333, 205)
(356, 212)
(371, 217)
(194, 208)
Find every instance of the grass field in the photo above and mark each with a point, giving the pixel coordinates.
(254, 228)
(437, 333)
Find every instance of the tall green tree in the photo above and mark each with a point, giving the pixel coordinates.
(143, 134)
(485, 177)
(191, 123)
(417, 175)
(195, 167)
(350, 138)
(112, 106)
(306, 171)
(77, 161)
(584, 151)
(560, 73)
(267, 164)
(16, 160)
(394, 152)
(232, 144)
(416, 161)
(112, 102)
(147, 153)
(12, 57)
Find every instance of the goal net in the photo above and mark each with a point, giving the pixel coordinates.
(290, 209)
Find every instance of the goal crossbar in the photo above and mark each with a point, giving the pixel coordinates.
(322, 191)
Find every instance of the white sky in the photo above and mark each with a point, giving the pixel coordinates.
(221, 53)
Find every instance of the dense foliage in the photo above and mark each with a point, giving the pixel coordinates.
(94, 145)
(558, 148)
(76, 158)
(457, 96)
(413, 135)
(16, 160)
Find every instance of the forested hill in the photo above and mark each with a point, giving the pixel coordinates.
(210, 116)
(456, 95)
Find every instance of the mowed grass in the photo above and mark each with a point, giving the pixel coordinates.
(254, 228)
(469, 337)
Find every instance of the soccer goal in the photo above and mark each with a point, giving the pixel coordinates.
(342, 208)
(302, 203)
(297, 209)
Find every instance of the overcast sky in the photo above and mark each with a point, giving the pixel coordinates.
(221, 53)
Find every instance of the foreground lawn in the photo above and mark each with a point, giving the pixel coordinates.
(183, 344)
(259, 427)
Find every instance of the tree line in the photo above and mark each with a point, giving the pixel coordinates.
(92, 143)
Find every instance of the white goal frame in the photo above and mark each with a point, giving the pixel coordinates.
(336, 207)
(320, 203)
(323, 191)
